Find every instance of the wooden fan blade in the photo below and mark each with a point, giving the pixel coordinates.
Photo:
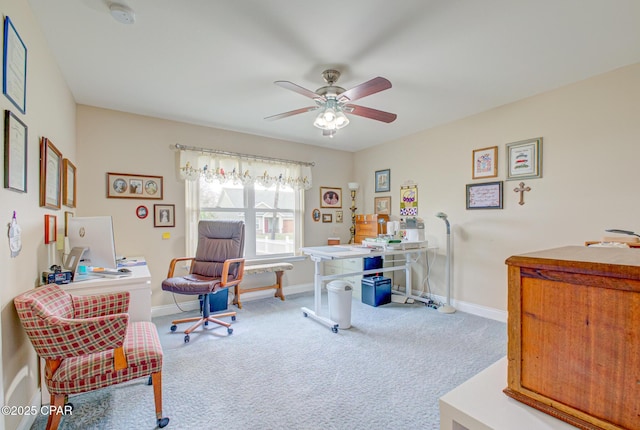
(376, 114)
(373, 86)
(291, 113)
(300, 90)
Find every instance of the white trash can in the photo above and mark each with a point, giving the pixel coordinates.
(339, 293)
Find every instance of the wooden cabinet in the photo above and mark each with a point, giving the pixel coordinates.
(574, 335)
(368, 225)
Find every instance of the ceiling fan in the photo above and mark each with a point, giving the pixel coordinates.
(334, 101)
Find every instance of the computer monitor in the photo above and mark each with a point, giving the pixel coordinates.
(95, 236)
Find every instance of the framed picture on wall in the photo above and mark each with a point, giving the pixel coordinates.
(485, 163)
(382, 205)
(15, 153)
(50, 229)
(164, 215)
(14, 82)
(487, 195)
(330, 197)
(50, 175)
(130, 186)
(383, 181)
(524, 159)
(68, 183)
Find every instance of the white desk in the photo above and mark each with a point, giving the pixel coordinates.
(320, 254)
(480, 404)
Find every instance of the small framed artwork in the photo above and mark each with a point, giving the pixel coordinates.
(67, 215)
(382, 205)
(316, 215)
(339, 216)
(487, 195)
(50, 229)
(327, 217)
(485, 163)
(524, 159)
(330, 197)
(383, 181)
(14, 82)
(142, 212)
(164, 215)
(68, 183)
(15, 153)
(50, 175)
(129, 186)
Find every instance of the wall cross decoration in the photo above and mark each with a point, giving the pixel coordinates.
(521, 189)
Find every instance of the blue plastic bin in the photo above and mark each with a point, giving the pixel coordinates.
(376, 290)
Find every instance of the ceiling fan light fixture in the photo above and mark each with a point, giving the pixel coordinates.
(122, 13)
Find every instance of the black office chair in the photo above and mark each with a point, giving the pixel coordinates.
(218, 264)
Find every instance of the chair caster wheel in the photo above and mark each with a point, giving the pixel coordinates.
(162, 422)
(70, 405)
(334, 329)
(206, 323)
(304, 314)
(230, 330)
(233, 318)
(150, 381)
(174, 327)
(186, 338)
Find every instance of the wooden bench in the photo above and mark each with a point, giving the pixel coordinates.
(277, 268)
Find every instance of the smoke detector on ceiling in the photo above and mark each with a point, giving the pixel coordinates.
(122, 13)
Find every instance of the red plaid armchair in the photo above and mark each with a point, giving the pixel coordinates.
(89, 343)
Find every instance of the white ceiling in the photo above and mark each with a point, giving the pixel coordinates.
(213, 62)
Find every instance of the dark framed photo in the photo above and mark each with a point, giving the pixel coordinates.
(487, 195)
(330, 197)
(50, 175)
(327, 218)
(383, 181)
(15, 153)
(130, 186)
(164, 215)
(14, 82)
(68, 183)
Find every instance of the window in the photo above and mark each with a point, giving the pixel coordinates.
(274, 211)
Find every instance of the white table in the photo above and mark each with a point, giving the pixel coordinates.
(480, 404)
(320, 254)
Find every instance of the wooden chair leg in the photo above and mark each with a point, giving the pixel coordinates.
(279, 292)
(156, 380)
(57, 406)
(236, 296)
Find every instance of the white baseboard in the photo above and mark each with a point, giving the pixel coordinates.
(28, 419)
(192, 305)
(474, 309)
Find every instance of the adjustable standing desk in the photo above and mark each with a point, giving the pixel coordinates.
(320, 254)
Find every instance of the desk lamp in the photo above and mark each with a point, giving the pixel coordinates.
(353, 186)
(447, 308)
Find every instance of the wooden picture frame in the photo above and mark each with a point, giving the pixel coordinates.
(339, 216)
(316, 215)
(164, 215)
(15, 153)
(67, 215)
(330, 197)
(327, 218)
(382, 205)
(383, 181)
(50, 175)
(14, 77)
(50, 229)
(132, 186)
(524, 159)
(487, 195)
(68, 183)
(484, 163)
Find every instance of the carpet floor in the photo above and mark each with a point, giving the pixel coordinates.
(279, 370)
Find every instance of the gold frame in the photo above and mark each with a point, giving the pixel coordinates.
(324, 191)
(68, 183)
(377, 202)
(492, 153)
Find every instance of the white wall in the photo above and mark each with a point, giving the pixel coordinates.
(590, 155)
(50, 112)
(110, 141)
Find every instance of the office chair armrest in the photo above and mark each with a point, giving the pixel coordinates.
(172, 265)
(239, 272)
(100, 305)
(82, 336)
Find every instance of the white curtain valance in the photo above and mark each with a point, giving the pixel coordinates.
(224, 168)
